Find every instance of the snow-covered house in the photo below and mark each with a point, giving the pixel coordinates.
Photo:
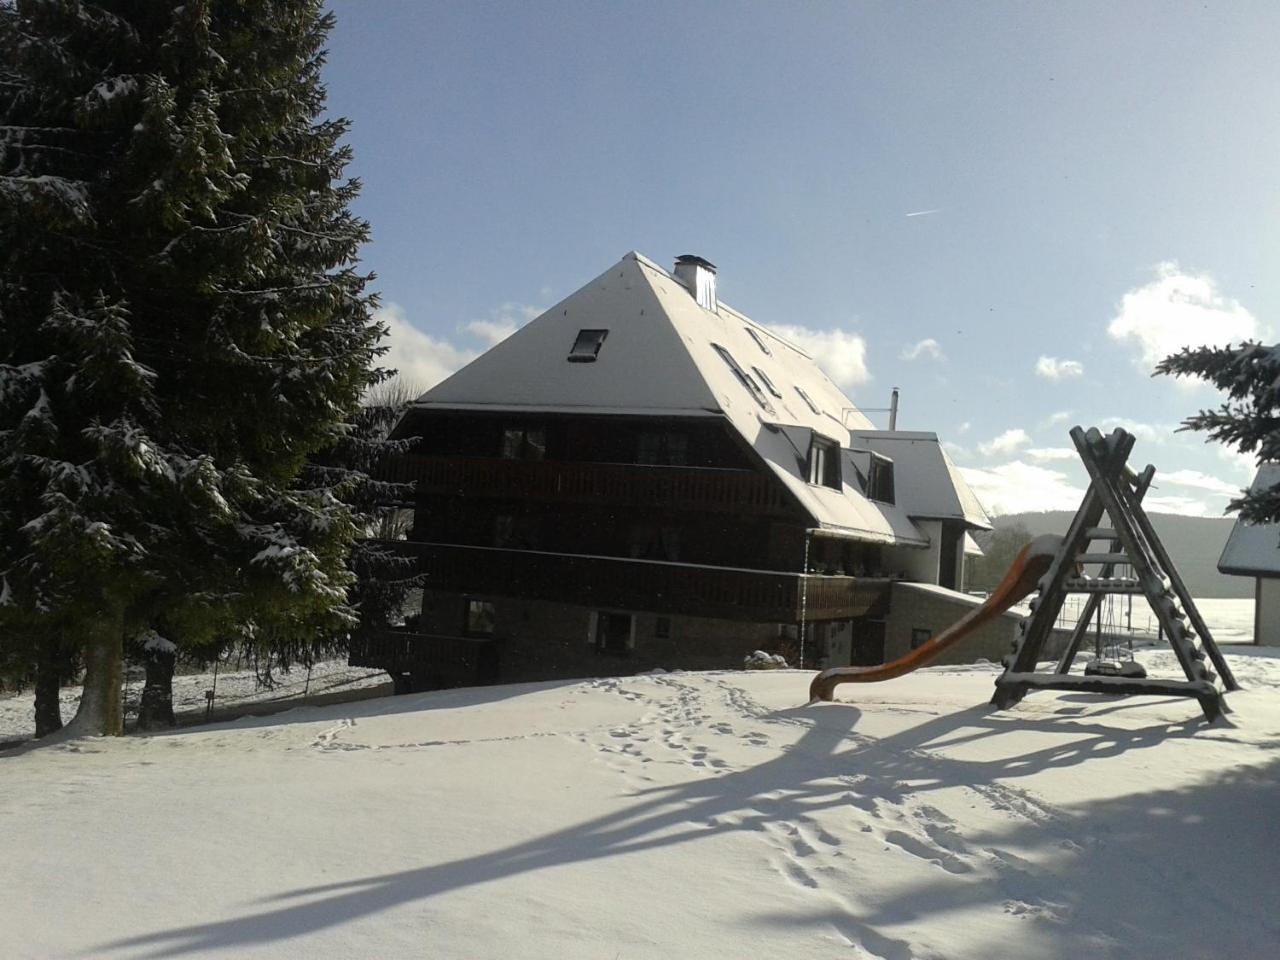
(643, 472)
(1253, 550)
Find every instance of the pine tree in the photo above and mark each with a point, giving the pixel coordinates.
(1249, 418)
(182, 324)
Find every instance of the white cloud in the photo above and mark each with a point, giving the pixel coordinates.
(928, 347)
(955, 450)
(964, 427)
(1245, 465)
(842, 355)
(421, 359)
(1152, 432)
(1047, 454)
(1062, 416)
(491, 332)
(1183, 506)
(1019, 487)
(1179, 310)
(1051, 368)
(1198, 481)
(1007, 442)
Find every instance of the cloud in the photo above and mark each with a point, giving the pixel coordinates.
(964, 427)
(1051, 368)
(1245, 465)
(1178, 310)
(1062, 416)
(1152, 432)
(1183, 506)
(1046, 454)
(925, 348)
(424, 360)
(421, 359)
(842, 355)
(1007, 442)
(1198, 481)
(924, 213)
(1019, 487)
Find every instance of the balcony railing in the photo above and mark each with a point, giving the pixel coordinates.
(658, 587)
(617, 484)
(449, 658)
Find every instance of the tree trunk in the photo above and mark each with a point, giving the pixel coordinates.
(51, 669)
(101, 704)
(156, 707)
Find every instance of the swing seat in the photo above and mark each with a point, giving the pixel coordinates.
(1129, 669)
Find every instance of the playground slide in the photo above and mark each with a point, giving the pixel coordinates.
(1023, 576)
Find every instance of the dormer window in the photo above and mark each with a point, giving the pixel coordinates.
(764, 378)
(587, 346)
(524, 443)
(805, 397)
(744, 378)
(880, 479)
(824, 463)
(760, 342)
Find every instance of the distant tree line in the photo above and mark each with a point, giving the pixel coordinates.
(185, 341)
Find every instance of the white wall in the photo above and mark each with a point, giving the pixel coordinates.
(1267, 620)
(919, 565)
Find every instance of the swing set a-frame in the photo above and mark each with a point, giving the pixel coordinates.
(1122, 555)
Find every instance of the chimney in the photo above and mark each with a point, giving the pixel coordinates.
(699, 276)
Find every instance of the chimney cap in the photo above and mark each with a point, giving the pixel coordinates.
(695, 261)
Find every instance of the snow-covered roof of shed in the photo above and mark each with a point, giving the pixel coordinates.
(927, 484)
(663, 356)
(1253, 549)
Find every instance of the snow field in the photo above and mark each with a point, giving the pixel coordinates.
(678, 815)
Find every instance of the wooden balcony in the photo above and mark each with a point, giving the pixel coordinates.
(621, 485)
(657, 587)
(445, 659)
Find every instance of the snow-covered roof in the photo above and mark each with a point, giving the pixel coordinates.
(666, 355)
(926, 482)
(1253, 549)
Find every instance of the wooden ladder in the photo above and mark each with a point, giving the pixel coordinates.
(1115, 492)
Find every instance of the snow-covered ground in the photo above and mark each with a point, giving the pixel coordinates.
(699, 815)
(234, 691)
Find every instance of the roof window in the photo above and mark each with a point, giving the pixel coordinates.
(805, 397)
(824, 463)
(587, 347)
(760, 342)
(764, 378)
(744, 378)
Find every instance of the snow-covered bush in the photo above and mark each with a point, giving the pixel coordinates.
(759, 660)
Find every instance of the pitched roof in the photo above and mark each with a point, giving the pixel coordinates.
(1253, 549)
(928, 485)
(666, 355)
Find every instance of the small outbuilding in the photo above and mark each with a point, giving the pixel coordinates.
(1253, 550)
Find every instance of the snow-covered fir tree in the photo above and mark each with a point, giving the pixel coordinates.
(1249, 418)
(182, 325)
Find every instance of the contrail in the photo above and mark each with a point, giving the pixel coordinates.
(925, 213)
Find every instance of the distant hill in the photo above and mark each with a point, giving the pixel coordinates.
(1194, 543)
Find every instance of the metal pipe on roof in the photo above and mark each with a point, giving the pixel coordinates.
(893, 409)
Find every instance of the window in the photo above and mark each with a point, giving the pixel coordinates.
(662, 628)
(587, 346)
(479, 618)
(805, 397)
(613, 633)
(744, 378)
(880, 479)
(824, 464)
(524, 443)
(920, 636)
(764, 378)
(760, 342)
(663, 448)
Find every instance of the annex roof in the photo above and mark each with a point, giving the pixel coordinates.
(928, 485)
(1253, 549)
(664, 354)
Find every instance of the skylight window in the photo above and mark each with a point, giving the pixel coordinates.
(744, 378)
(764, 378)
(760, 342)
(805, 397)
(587, 347)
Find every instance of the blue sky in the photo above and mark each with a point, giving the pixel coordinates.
(1006, 210)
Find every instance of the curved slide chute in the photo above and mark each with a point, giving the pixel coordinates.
(1023, 577)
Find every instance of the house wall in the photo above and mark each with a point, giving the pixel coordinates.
(544, 640)
(1267, 612)
(916, 563)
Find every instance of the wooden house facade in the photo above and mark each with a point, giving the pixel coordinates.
(643, 477)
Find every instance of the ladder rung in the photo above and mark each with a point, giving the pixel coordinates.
(1103, 585)
(1103, 558)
